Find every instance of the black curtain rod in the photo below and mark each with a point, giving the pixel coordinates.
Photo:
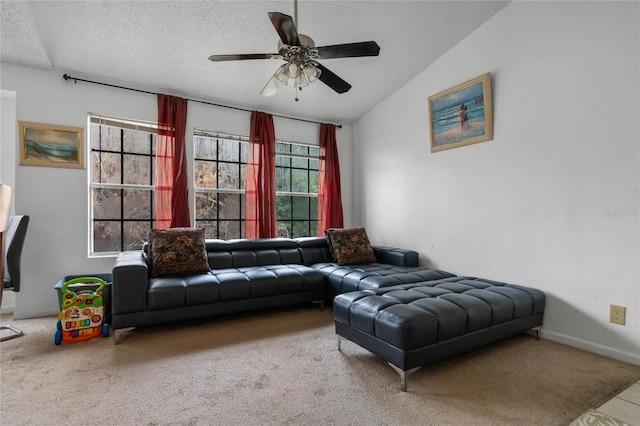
(76, 80)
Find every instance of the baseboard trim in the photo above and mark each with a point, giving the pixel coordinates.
(591, 347)
(34, 314)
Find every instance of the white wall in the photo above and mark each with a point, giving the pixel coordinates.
(57, 199)
(552, 202)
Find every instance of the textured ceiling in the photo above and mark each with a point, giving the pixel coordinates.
(164, 46)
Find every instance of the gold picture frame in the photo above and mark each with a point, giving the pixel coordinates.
(462, 115)
(51, 145)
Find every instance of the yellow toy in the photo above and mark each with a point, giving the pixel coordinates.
(82, 315)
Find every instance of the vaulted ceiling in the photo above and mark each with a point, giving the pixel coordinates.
(164, 45)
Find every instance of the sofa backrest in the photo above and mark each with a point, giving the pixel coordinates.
(241, 253)
(314, 250)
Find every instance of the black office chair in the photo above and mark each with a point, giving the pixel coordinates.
(14, 242)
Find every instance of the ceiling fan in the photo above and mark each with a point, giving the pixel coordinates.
(302, 56)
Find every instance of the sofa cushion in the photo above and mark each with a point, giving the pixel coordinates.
(351, 246)
(177, 251)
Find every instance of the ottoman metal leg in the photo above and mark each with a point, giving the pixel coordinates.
(404, 375)
(537, 331)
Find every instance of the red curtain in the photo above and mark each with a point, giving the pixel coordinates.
(329, 194)
(260, 214)
(172, 191)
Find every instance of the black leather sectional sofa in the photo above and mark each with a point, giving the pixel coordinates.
(249, 275)
(406, 314)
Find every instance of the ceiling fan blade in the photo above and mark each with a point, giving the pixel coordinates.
(331, 79)
(349, 50)
(285, 27)
(241, 57)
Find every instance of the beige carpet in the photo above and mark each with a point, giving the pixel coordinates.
(282, 367)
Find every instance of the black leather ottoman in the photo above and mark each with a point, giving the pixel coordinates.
(411, 325)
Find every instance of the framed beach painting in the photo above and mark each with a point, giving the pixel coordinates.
(461, 115)
(51, 145)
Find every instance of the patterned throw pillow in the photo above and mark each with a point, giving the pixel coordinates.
(350, 246)
(177, 251)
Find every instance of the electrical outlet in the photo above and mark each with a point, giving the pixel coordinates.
(617, 314)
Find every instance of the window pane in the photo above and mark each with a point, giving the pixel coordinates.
(228, 176)
(302, 163)
(314, 164)
(135, 234)
(110, 139)
(229, 206)
(204, 148)
(95, 167)
(300, 208)
(299, 149)
(283, 208)
(137, 204)
(205, 174)
(229, 229)
(283, 147)
(284, 229)
(283, 179)
(313, 210)
(136, 142)
(206, 205)
(283, 161)
(300, 181)
(243, 176)
(314, 228)
(106, 167)
(137, 169)
(301, 229)
(228, 150)
(106, 236)
(244, 152)
(94, 136)
(210, 228)
(313, 182)
(106, 204)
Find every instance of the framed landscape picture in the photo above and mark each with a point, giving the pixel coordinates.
(461, 115)
(51, 145)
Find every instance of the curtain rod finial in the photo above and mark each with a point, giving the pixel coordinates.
(68, 77)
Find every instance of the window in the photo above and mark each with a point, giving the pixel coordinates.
(121, 183)
(220, 164)
(297, 168)
(220, 168)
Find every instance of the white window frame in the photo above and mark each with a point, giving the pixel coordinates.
(122, 123)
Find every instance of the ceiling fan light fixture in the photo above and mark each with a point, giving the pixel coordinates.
(281, 74)
(311, 72)
(293, 70)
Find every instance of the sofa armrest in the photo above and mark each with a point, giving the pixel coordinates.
(396, 256)
(130, 280)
